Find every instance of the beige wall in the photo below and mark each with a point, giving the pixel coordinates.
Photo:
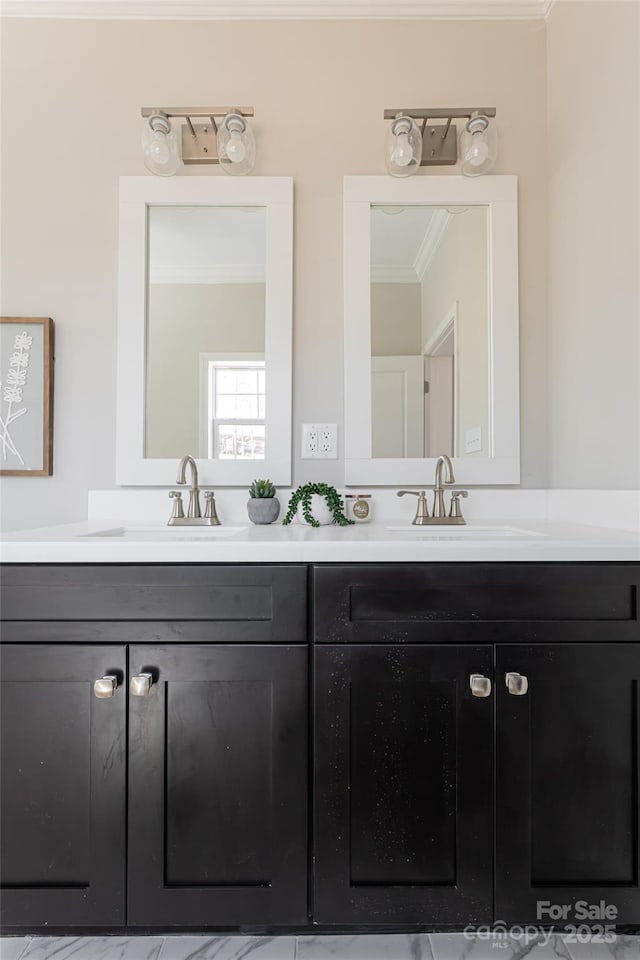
(395, 319)
(594, 168)
(77, 87)
(458, 275)
(186, 320)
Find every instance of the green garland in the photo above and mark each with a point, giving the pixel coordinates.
(303, 495)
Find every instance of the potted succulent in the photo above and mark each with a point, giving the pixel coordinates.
(316, 504)
(264, 506)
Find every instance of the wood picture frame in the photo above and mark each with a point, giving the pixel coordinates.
(26, 377)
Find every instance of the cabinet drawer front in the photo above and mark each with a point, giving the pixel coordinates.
(63, 787)
(272, 599)
(413, 603)
(403, 785)
(567, 781)
(218, 786)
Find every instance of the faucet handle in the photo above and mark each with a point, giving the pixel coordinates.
(178, 512)
(422, 509)
(210, 508)
(454, 510)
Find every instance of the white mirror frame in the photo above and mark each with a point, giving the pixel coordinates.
(136, 195)
(499, 195)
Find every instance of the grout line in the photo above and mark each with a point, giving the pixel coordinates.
(161, 950)
(22, 952)
(568, 949)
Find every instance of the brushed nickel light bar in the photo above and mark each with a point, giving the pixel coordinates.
(439, 140)
(201, 141)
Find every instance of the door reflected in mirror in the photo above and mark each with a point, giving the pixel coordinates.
(205, 332)
(430, 343)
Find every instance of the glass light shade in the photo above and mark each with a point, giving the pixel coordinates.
(478, 146)
(160, 146)
(236, 145)
(403, 148)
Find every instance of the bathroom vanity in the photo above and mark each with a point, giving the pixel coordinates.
(288, 729)
(297, 745)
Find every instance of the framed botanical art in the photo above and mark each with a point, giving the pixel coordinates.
(26, 396)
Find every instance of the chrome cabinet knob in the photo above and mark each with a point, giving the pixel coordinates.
(106, 686)
(141, 684)
(517, 685)
(480, 686)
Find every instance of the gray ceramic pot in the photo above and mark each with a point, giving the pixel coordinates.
(263, 509)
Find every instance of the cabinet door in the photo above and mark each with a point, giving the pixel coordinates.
(63, 786)
(403, 785)
(567, 782)
(218, 786)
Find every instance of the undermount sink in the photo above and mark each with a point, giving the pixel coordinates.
(462, 532)
(165, 533)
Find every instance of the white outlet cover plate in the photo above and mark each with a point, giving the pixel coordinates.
(319, 441)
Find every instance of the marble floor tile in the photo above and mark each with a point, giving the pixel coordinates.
(12, 948)
(457, 946)
(229, 948)
(93, 948)
(623, 948)
(366, 947)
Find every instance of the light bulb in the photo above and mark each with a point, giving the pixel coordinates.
(236, 150)
(478, 151)
(158, 149)
(402, 155)
(478, 146)
(160, 146)
(403, 148)
(236, 145)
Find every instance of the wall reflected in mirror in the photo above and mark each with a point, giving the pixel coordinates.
(205, 332)
(430, 339)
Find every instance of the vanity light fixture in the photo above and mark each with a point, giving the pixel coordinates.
(404, 147)
(409, 146)
(160, 146)
(208, 135)
(478, 146)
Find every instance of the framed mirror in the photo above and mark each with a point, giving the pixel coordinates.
(431, 329)
(204, 329)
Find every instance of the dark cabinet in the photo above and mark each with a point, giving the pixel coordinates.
(404, 778)
(218, 786)
(403, 785)
(182, 801)
(567, 782)
(186, 806)
(63, 754)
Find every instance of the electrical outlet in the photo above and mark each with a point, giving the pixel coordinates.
(319, 441)
(309, 440)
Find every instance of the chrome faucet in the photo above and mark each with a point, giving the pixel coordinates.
(194, 515)
(439, 515)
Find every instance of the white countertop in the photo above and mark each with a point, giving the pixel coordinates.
(485, 541)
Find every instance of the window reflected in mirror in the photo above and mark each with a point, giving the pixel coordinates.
(205, 332)
(430, 339)
(236, 403)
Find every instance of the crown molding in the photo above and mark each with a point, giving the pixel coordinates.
(392, 273)
(432, 240)
(278, 9)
